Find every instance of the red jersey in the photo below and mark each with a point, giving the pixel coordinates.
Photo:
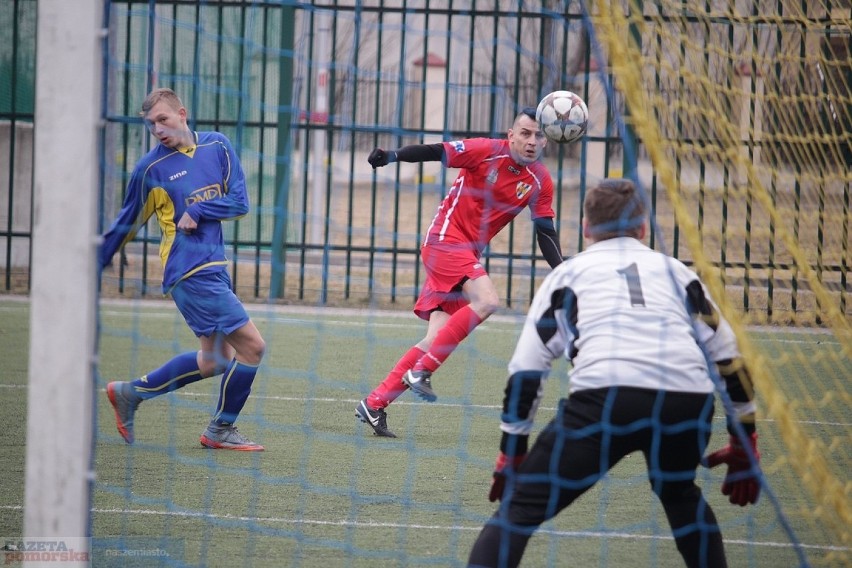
(490, 190)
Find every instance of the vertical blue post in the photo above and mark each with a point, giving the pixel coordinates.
(629, 165)
(283, 153)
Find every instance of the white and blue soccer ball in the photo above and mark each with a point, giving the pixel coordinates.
(562, 116)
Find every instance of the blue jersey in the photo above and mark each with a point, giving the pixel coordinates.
(206, 181)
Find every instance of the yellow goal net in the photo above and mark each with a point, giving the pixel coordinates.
(745, 113)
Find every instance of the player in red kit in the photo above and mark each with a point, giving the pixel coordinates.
(498, 178)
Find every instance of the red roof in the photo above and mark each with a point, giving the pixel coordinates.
(431, 60)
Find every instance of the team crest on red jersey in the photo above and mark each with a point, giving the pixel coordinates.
(522, 189)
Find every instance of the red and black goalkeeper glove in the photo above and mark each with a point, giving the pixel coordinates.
(741, 485)
(504, 465)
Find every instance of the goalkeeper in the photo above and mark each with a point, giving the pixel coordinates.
(639, 329)
(498, 178)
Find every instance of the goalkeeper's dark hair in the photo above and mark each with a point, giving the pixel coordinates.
(614, 209)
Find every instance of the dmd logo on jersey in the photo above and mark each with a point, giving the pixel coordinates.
(208, 193)
(458, 145)
(173, 177)
(514, 170)
(73, 551)
(522, 189)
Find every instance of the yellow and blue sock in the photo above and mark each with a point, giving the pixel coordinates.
(177, 373)
(234, 391)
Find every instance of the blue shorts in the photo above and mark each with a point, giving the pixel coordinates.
(208, 304)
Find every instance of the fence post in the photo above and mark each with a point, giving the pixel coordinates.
(16, 156)
(597, 154)
(751, 122)
(284, 153)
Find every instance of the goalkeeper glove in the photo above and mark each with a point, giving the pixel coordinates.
(379, 157)
(741, 485)
(504, 466)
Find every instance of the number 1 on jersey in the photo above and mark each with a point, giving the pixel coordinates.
(634, 285)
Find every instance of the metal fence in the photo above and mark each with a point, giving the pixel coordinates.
(305, 91)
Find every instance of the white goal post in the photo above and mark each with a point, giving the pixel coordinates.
(63, 286)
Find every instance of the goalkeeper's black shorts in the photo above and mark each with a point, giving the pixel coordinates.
(594, 429)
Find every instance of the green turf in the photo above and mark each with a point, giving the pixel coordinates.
(327, 493)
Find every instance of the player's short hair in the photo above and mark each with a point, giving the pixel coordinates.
(529, 112)
(614, 209)
(526, 111)
(161, 94)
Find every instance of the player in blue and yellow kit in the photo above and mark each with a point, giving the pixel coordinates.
(192, 181)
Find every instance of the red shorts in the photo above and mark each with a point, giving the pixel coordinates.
(447, 268)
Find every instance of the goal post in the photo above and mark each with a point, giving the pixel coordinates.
(63, 297)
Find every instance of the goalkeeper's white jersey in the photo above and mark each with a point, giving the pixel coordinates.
(622, 314)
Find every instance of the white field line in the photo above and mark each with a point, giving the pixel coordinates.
(414, 526)
(302, 400)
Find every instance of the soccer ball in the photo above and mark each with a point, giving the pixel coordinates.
(563, 116)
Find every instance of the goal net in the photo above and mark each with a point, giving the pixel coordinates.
(734, 118)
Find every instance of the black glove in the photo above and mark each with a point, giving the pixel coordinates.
(379, 157)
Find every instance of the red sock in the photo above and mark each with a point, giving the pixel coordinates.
(454, 331)
(392, 386)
